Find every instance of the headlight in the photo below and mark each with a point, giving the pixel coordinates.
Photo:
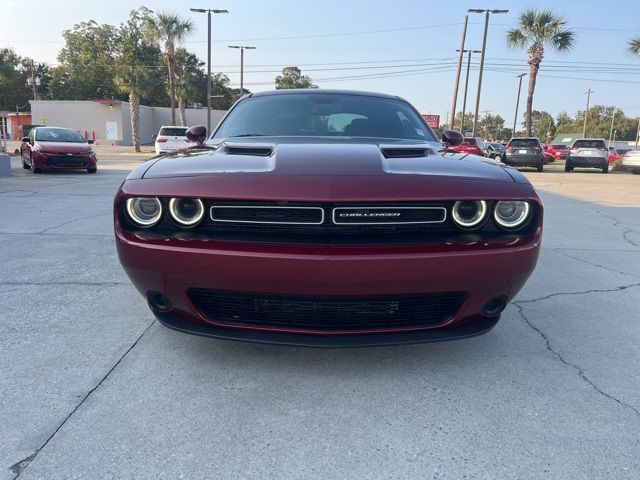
(469, 213)
(511, 214)
(186, 211)
(144, 211)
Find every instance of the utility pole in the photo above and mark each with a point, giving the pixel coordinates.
(515, 117)
(33, 81)
(487, 12)
(613, 116)
(242, 49)
(455, 85)
(208, 11)
(586, 113)
(466, 87)
(638, 134)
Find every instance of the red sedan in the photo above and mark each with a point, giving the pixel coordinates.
(559, 151)
(53, 148)
(327, 218)
(472, 145)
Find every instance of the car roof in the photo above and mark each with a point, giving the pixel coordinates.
(321, 91)
(174, 126)
(589, 139)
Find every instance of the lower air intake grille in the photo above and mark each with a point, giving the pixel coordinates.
(327, 313)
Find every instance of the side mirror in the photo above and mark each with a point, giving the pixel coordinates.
(90, 142)
(197, 134)
(451, 138)
(25, 139)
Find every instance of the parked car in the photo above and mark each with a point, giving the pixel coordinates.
(558, 150)
(494, 150)
(616, 154)
(171, 138)
(327, 218)
(524, 152)
(588, 153)
(472, 145)
(631, 161)
(54, 148)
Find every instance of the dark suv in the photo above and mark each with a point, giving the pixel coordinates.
(524, 152)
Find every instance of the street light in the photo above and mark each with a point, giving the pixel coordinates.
(242, 49)
(466, 86)
(515, 117)
(586, 113)
(208, 11)
(487, 12)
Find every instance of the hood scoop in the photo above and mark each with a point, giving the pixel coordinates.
(405, 152)
(253, 150)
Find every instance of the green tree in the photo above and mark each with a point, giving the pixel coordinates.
(169, 29)
(87, 63)
(468, 121)
(224, 95)
(292, 78)
(13, 80)
(537, 29)
(136, 62)
(491, 126)
(542, 125)
(191, 82)
(634, 46)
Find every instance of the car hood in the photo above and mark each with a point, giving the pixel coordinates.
(305, 157)
(63, 147)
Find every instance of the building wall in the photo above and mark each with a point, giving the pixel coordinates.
(92, 117)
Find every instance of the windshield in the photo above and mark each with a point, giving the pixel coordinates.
(50, 134)
(589, 144)
(172, 132)
(524, 142)
(321, 114)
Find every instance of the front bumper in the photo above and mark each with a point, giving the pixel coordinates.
(65, 162)
(173, 266)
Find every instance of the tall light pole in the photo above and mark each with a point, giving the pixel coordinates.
(454, 99)
(586, 113)
(515, 117)
(208, 11)
(613, 116)
(242, 49)
(487, 12)
(466, 87)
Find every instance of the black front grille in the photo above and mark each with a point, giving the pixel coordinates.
(327, 313)
(67, 161)
(266, 214)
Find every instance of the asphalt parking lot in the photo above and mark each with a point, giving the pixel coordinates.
(92, 387)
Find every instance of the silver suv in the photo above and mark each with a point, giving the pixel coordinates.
(588, 153)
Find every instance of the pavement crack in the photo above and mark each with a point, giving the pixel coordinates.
(579, 292)
(616, 223)
(563, 252)
(581, 373)
(19, 467)
(74, 220)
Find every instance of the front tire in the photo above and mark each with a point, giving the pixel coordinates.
(24, 165)
(605, 169)
(540, 168)
(35, 169)
(567, 167)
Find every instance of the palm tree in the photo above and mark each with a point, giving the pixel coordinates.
(537, 28)
(170, 29)
(134, 81)
(634, 46)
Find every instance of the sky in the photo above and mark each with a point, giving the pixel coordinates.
(404, 47)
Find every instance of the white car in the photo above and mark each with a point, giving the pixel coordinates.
(588, 153)
(171, 138)
(631, 161)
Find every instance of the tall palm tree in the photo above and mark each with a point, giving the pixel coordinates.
(134, 81)
(170, 29)
(537, 29)
(634, 46)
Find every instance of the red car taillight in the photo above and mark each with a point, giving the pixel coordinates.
(161, 140)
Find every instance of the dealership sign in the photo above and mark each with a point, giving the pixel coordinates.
(432, 120)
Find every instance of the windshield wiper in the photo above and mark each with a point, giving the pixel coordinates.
(249, 135)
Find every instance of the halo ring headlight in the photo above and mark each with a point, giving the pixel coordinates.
(469, 213)
(511, 214)
(186, 212)
(144, 211)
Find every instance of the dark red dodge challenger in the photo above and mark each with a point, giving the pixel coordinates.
(327, 218)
